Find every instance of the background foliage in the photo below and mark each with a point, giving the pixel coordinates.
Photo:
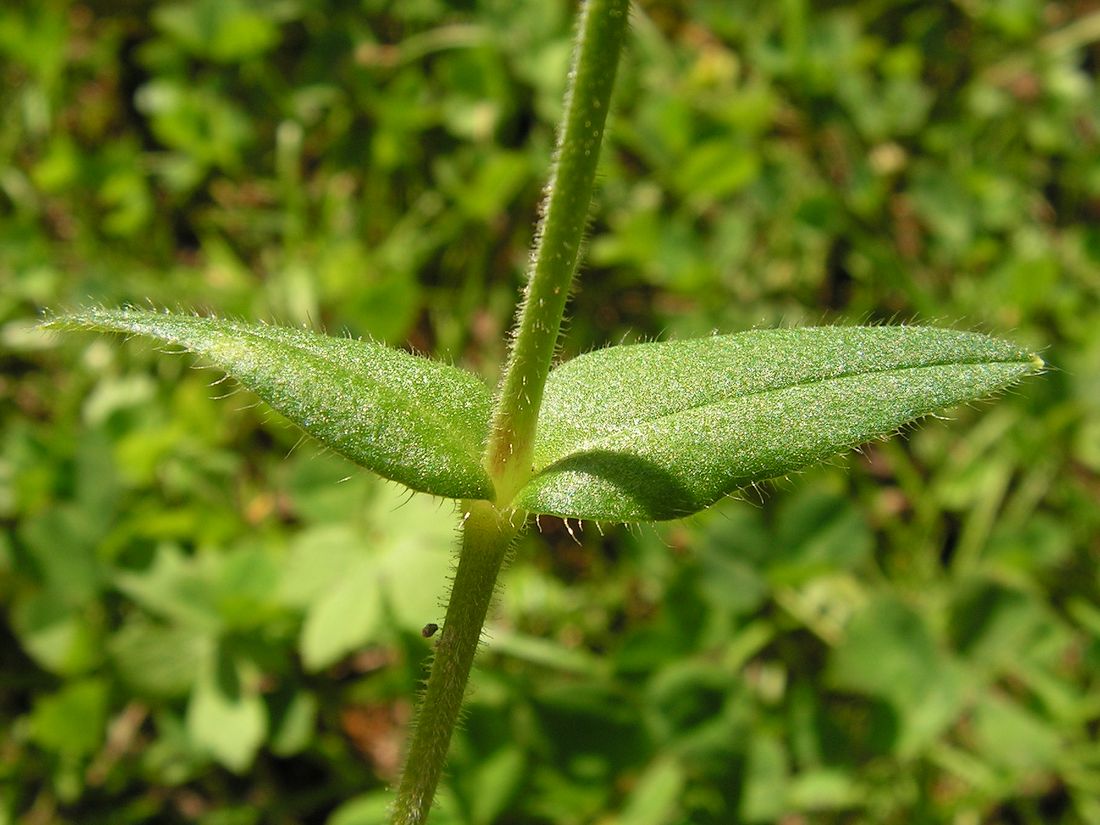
(205, 621)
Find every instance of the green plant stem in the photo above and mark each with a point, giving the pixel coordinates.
(600, 37)
(489, 528)
(486, 535)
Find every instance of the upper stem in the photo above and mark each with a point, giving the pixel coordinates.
(600, 37)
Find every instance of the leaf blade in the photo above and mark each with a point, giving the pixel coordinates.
(409, 419)
(657, 431)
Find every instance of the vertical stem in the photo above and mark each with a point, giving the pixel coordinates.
(486, 536)
(488, 530)
(558, 241)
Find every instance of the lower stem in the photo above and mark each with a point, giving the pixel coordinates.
(486, 535)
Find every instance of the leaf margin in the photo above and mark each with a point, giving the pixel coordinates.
(460, 474)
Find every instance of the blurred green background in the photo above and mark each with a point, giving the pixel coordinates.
(205, 620)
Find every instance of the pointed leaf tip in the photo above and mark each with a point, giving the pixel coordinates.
(658, 431)
(409, 419)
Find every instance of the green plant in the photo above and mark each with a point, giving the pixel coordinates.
(626, 434)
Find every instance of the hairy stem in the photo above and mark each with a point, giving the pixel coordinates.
(488, 529)
(486, 536)
(558, 241)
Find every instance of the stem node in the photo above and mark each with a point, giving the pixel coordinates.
(489, 527)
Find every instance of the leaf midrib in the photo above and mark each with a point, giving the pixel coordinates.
(446, 427)
(615, 428)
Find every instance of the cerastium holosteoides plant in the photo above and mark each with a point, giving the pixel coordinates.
(625, 434)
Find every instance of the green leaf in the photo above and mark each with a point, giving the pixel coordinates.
(73, 720)
(662, 430)
(888, 651)
(1014, 737)
(222, 30)
(389, 571)
(158, 661)
(59, 637)
(655, 797)
(226, 717)
(376, 808)
(409, 419)
(344, 619)
(295, 724)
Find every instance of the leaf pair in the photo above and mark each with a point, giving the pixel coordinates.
(632, 433)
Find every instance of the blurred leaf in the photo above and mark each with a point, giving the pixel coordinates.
(889, 652)
(414, 545)
(727, 580)
(294, 724)
(244, 588)
(323, 487)
(61, 541)
(112, 395)
(369, 809)
(1013, 737)
(225, 716)
(659, 431)
(36, 38)
(817, 533)
(685, 699)
(656, 795)
(317, 560)
(1042, 542)
(716, 169)
(766, 781)
(374, 809)
(344, 617)
(824, 789)
(991, 625)
(376, 291)
(409, 419)
(157, 660)
(494, 782)
(206, 129)
(231, 815)
(175, 587)
(128, 203)
(72, 721)
(495, 182)
(57, 636)
(546, 653)
(173, 758)
(223, 30)
(351, 581)
(1087, 443)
